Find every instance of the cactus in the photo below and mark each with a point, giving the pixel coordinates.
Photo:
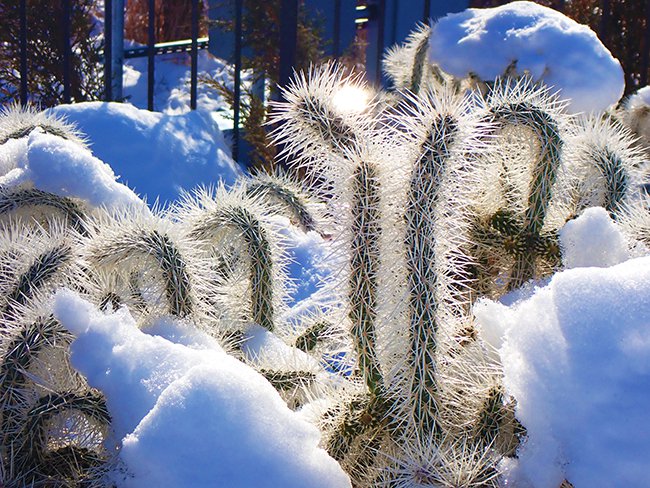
(125, 248)
(606, 165)
(281, 188)
(14, 200)
(17, 122)
(234, 223)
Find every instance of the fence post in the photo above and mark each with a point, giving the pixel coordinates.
(108, 50)
(194, 54)
(23, 52)
(151, 40)
(117, 48)
(66, 50)
(239, 12)
(643, 75)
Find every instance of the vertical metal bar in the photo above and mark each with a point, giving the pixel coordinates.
(117, 48)
(643, 75)
(426, 15)
(393, 26)
(151, 40)
(288, 39)
(604, 20)
(67, 54)
(237, 88)
(23, 52)
(381, 21)
(337, 29)
(194, 53)
(108, 50)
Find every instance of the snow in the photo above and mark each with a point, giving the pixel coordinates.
(592, 240)
(189, 414)
(541, 41)
(575, 356)
(172, 82)
(62, 167)
(156, 154)
(640, 98)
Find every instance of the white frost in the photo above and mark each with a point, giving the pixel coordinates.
(191, 415)
(543, 42)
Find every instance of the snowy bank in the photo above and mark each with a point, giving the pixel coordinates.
(156, 154)
(576, 357)
(537, 40)
(187, 414)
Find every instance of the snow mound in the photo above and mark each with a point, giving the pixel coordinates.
(63, 167)
(187, 414)
(541, 41)
(157, 154)
(576, 357)
(593, 239)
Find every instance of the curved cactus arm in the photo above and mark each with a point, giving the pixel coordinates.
(40, 272)
(32, 451)
(124, 245)
(258, 248)
(607, 164)
(17, 122)
(13, 199)
(20, 354)
(283, 189)
(312, 126)
(522, 103)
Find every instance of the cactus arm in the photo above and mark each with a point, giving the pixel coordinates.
(364, 266)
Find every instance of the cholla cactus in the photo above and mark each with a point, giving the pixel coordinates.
(145, 262)
(17, 122)
(234, 228)
(32, 204)
(282, 189)
(605, 165)
(513, 237)
(52, 425)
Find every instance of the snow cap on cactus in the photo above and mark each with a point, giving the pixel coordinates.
(534, 40)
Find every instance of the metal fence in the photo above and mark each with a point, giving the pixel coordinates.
(382, 18)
